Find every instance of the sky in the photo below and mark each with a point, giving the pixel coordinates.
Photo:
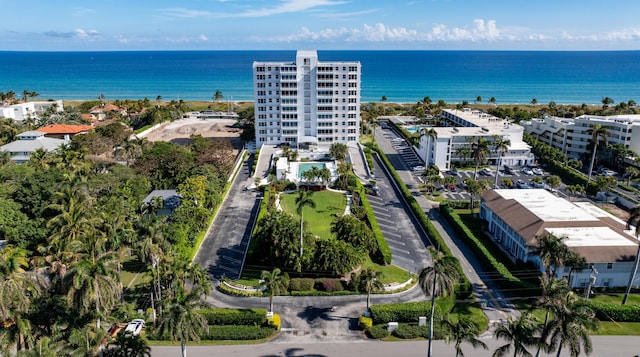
(108, 25)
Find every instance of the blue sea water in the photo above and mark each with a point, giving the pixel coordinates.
(402, 76)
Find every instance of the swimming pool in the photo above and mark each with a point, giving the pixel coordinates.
(413, 129)
(306, 166)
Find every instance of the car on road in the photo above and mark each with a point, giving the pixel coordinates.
(537, 171)
(486, 171)
(134, 327)
(527, 171)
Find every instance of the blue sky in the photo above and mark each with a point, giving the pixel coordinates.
(65, 25)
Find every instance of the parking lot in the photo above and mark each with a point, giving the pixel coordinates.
(515, 175)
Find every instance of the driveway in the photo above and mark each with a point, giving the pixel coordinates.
(223, 249)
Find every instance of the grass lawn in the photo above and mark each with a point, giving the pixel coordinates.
(317, 220)
(615, 298)
(618, 328)
(389, 273)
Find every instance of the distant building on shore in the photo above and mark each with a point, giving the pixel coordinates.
(467, 126)
(306, 101)
(571, 135)
(29, 110)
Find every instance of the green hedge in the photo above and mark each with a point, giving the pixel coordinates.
(506, 280)
(378, 331)
(239, 332)
(401, 312)
(383, 247)
(615, 312)
(301, 284)
(235, 316)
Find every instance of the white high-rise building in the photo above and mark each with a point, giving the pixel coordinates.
(306, 101)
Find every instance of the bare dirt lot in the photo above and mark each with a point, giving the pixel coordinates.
(179, 131)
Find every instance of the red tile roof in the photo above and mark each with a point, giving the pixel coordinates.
(64, 129)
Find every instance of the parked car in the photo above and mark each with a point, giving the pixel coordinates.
(537, 171)
(486, 171)
(527, 171)
(371, 189)
(521, 184)
(454, 171)
(419, 168)
(508, 170)
(134, 327)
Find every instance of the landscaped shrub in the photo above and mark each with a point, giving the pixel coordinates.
(383, 254)
(301, 284)
(239, 332)
(274, 321)
(234, 316)
(329, 285)
(401, 312)
(237, 292)
(378, 331)
(615, 312)
(411, 331)
(364, 322)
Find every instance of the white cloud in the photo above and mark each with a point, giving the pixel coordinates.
(78, 33)
(283, 7)
(480, 31)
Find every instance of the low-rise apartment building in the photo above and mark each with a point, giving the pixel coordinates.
(516, 217)
(571, 135)
(467, 126)
(23, 111)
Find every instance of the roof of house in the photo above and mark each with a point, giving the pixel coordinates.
(65, 129)
(108, 107)
(48, 144)
(591, 232)
(171, 198)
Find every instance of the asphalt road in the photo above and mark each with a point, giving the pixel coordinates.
(618, 346)
(223, 249)
(404, 236)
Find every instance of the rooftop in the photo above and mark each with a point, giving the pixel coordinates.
(64, 129)
(591, 232)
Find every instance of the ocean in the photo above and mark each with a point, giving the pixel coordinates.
(565, 77)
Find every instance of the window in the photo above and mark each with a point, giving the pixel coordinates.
(609, 265)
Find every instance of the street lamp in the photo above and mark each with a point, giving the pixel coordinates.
(592, 281)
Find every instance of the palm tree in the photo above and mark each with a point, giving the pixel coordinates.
(632, 173)
(181, 321)
(461, 330)
(634, 215)
(479, 99)
(94, 284)
(464, 152)
(570, 327)
(479, 152)
(552, 252)
(304, 199)
(274, 282)
(438, 280)
(475, 188)
(130, 346)
(432, 136)
(217, 95)
(519, 334)
(500, 145)
(554, 294)
(597, 132)
(369, 280)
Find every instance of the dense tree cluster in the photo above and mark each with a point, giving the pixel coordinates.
(73, 216)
